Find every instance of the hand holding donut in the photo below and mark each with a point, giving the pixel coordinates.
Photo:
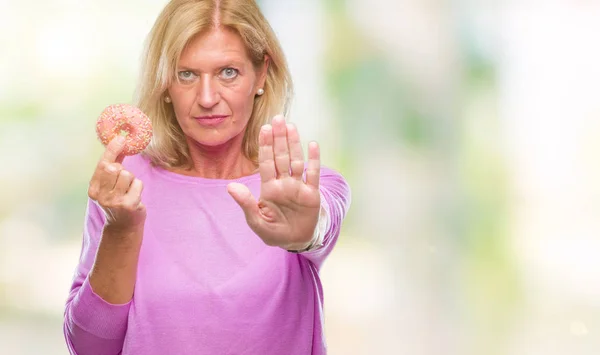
(124, 130)
(116, 190)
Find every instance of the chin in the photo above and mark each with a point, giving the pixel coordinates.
(213, 140)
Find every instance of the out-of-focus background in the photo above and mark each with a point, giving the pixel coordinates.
(468, 130)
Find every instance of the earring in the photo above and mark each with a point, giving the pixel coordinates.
(167, 99)
(260, 92)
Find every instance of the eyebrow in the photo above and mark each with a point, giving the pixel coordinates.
(224, 64)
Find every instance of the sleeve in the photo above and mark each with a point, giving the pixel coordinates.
(335, 202)
(91, 325)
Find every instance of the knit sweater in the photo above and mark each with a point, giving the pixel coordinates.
(206, 283)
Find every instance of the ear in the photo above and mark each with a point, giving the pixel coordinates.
(262, 75)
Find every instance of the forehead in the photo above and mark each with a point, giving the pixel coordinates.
(215, 46)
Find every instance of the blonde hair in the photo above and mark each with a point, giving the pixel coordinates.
(181, 21)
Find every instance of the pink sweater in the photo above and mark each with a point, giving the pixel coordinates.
(206, 284)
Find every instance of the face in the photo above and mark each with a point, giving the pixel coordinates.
(215, 93)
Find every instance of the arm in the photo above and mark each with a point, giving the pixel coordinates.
(93, 325)
(96, 312)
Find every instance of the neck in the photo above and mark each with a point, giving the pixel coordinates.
(226, 161)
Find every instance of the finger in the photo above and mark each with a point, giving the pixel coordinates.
(124, 180)
(242, 195)
(114, 149)
(266, 162)
(105, 177)
(313, 169)
(296, 153)
(280, 147)
(133, 197)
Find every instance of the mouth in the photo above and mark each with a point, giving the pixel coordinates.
(210, 120)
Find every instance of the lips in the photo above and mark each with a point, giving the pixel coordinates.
(210, 120)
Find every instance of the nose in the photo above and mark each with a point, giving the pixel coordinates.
(207, 92)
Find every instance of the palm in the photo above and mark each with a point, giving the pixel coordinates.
(287, 211)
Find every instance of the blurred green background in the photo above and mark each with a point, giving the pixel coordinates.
(468, 130)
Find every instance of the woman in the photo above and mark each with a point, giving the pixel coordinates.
(210, 242)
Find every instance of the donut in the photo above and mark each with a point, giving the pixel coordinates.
(126, 120)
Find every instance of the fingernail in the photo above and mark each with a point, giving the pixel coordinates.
(120, 140)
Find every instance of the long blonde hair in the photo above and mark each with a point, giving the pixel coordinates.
(178, 23)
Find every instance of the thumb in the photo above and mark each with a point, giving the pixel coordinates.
(242, 195)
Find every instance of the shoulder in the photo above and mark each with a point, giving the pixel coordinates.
(335, 183)
(332, 175)
(328, 171)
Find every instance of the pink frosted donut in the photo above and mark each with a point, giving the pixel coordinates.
(126, 120)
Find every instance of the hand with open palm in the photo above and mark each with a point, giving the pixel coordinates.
(287, 211)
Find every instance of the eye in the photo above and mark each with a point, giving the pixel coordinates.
(186, 75)
(229, 73)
